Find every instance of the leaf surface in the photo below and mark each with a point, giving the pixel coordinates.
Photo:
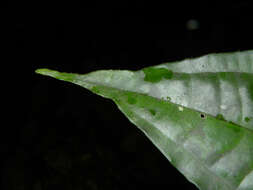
(198, 112)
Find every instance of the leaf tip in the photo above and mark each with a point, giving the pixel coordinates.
(70, 77)
(45, 71)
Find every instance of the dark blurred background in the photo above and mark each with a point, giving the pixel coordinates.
(63, 136)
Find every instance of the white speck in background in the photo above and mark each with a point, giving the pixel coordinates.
(192, 24)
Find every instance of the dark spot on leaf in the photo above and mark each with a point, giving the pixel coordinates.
(220, 117)
(202, 116)
(131, 100)
(153, 112)
(168, 98)
(246, 119)
(156, 74)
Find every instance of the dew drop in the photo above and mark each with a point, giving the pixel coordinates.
(223, 107)
(180, 108)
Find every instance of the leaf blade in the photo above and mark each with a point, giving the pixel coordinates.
(211, 152)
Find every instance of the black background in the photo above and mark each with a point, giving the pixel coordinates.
(61, 135)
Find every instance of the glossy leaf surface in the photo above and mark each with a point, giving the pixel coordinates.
(198, 112)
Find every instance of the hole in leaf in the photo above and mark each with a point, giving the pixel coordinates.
(202, 116)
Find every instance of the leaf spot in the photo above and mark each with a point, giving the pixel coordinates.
(168, 98)
(220, 117)
(247, 119)
(153, 112)
(156, 74)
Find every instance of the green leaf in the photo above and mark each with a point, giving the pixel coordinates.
(198, 112)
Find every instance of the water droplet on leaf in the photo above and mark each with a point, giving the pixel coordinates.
(180, 108)
(223, 107)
